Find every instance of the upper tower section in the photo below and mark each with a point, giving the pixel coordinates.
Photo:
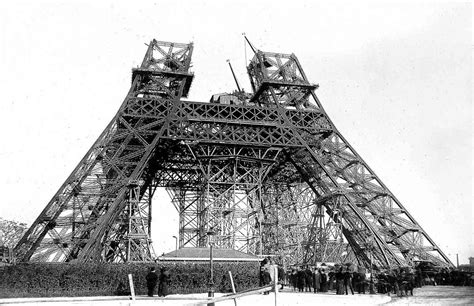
(167, 60)
(279, 78)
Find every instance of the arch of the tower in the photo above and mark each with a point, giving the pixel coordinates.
(252, 199)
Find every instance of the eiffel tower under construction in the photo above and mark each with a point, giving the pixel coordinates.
(265, 172)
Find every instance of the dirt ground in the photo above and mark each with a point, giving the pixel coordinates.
(438, 295)
(428, 295)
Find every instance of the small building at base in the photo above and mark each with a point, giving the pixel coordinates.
(203, 254)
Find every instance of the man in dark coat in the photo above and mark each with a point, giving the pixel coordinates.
(151, 280)
(265, 278)
(294, 279)
(317, 280)
(164, 282)
(324, 281)
(348, 281)
(360, 282)
(339, 280)
(264, 275)
(308, 279)
(281, 276)
(301, 279)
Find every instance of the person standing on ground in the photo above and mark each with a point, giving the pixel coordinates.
(164, 282)
(339, 280)
(281, 276)
(308, 279)
(317, 280)
(331, 278)
(324, 281)
(262, 272)
(151, 280)
(271, 270)
(301, 279)
(360, 282)
(410, 279)
(348, 280)
(265, 274)
(294, 278)
(264, 278)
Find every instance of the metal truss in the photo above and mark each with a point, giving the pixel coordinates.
(189, 203)
(269, 175)
(286, 220)
(297, 228)
(96, 215)
(232, 185)
(368, 214)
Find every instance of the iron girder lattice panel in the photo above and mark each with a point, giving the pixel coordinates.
(100, 212)
(378, 228)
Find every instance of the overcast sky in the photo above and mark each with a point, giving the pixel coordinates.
(396, 79)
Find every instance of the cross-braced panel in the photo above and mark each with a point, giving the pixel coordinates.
(232, 193)
(87, 210)
(343, 183)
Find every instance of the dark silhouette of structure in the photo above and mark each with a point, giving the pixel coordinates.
(268, 172)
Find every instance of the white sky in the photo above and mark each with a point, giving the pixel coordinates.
(396, 79)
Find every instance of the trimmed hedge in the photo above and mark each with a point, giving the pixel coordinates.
(97, 279)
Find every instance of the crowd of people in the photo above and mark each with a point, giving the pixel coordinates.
(340, 278)
(347, 278)
(323, 279)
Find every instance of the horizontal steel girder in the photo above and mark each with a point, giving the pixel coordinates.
(226, 124)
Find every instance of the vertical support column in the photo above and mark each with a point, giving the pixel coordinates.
(137, 239)
(73, 225)
(134, 219)
(132, 203)
(259, 202)
(319, 241)
(150, 193)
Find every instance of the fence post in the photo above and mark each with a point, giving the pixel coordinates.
(132, 289)
(233, 287)
(275, 275)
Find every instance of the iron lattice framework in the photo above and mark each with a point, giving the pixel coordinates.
(269, 174)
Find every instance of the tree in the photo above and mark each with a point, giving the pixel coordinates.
(11, 232)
